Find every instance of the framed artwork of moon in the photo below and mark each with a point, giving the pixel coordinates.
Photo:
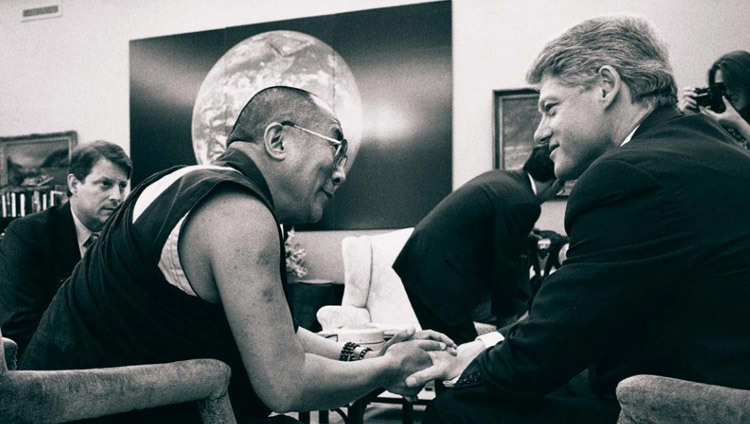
(386, 72)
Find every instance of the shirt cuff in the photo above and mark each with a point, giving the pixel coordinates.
(489, 340)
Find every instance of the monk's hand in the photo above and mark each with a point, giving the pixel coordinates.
(413, 334)
(408, 357)
(445, 365)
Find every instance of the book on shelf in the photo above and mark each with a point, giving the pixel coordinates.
(19, 202)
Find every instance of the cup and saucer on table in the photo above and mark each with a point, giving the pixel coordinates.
(362, 334)
(370, 335)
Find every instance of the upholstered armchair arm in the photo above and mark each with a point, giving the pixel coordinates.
(61, 396)
(8, 354)
(663, 400)
(336, 316)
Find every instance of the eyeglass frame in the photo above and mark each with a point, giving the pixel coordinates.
(339, 156)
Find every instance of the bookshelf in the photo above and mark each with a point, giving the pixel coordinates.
(17, 202)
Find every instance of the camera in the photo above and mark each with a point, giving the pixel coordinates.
(711, 97)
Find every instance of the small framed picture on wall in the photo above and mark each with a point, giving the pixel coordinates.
(36, 160)
(516, 118)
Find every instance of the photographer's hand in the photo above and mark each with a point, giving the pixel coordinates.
(687, 101)
(729, 118)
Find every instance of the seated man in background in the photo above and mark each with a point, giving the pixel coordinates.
(39, 251)
(473, 243)
(193, 266)
(657, 276)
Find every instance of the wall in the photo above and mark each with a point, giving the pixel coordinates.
(495, 41)
(72, 72)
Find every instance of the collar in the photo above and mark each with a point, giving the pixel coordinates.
(533, 183)
(82, 232)
(627, 139)
(656, 117)
(241, 162)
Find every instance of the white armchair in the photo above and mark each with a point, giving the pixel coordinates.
(373, 292)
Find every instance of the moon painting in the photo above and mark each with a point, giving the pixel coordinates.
(272, 58)
(386, 73)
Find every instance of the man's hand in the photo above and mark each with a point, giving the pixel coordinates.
(446, 366)
(409, 357)
(412, 334)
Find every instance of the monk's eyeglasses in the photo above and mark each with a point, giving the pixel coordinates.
(341, 146)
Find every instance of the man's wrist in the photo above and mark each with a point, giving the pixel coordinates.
(467, 352)
(354, 352)
(395, 374)
(361, 352)
(490, 339)
(371, 354)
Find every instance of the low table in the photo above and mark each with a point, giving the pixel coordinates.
(355, 411)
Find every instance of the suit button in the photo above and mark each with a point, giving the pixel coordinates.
(468, 379)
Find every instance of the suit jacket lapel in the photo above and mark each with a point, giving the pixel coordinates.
(65, 239)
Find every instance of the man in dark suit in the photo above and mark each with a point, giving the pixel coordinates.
(656, 279)
(473, 243)
(39, 251)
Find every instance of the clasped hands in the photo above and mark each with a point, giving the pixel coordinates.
(424, 356)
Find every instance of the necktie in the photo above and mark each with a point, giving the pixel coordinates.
(90, 241)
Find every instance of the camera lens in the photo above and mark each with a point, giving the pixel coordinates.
(703, 96)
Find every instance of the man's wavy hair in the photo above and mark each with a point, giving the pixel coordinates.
(628, 44)
(85, 156)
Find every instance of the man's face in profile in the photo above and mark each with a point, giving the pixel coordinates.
(572, 125)
(321, 175)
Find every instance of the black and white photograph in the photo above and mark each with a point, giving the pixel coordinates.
(374, 211)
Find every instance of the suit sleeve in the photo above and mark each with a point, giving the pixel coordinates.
(630, 245)
(22, 300)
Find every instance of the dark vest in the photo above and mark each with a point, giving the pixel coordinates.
(118, 309)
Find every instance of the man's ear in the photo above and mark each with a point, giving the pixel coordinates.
(274, 141)
(610, 85)
(73, 183)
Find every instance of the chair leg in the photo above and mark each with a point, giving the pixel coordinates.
(407, 413)
(304, 417)
(439, 388)
(357, 412)
(323, 417)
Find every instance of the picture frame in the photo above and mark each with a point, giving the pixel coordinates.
(516, 118)
(36, 160)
